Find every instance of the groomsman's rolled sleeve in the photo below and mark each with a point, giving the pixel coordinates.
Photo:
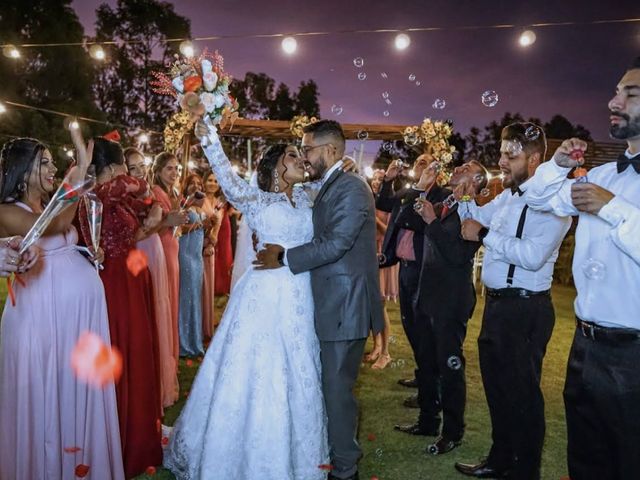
(549, 190)
(624, 219)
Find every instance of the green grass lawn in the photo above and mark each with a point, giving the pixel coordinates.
(391, 455)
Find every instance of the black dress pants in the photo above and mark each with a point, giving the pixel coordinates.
(602, 404)
(409, 277)
(512, 344)
(441, 367)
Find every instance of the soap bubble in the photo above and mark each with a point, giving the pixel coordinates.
(418, 83)
(384, 75)
(336, 109)
(594, 269)
(358, 62)
(490, 98)
(454, 362)
(439, 104)
(362, 76)
(385, 95)
(532, 133)
(412, 77)
(386, 113)
(363, 135)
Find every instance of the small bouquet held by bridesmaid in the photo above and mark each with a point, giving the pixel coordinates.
(200, 87)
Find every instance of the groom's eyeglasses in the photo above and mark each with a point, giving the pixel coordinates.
(305, 150)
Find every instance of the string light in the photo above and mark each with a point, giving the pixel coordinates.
(289, 45)
(143, 138)
(148, 160)
(70, 153)
(10, 51)
(97, 52)
(192, 165)
(402, 41)
(2, 108)
(187, 49)
(368, 171)
(527, 38)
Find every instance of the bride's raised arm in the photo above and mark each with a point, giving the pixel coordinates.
(240, 193)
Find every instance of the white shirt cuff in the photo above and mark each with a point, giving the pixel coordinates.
(615, 211)
(284, 258)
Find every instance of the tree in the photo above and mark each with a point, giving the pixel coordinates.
(306, 100)
(55, 78)
(560, 128)
(141, 29)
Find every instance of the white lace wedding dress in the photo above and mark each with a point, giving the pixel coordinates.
(255, 410)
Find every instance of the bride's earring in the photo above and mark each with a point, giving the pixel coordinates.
(276, 181)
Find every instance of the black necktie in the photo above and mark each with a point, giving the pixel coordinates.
(624, 162)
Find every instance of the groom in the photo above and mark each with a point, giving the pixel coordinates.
(344, 277)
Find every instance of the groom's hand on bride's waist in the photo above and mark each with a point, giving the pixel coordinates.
(269, 258)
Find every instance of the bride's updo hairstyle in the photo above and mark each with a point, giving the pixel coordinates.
(17, 159)
(268, 163)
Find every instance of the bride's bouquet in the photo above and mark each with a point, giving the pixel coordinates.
(200, 87)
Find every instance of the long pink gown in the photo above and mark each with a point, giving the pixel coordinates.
(171, 247)
(43, 408)
(152, 247)
(389, 287)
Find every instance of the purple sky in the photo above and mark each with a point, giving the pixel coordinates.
(569, 70)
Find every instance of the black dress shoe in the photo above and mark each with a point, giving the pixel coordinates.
(417, 429)
(408, 382)
(481, 470)
(355, 476)
(411, 402)
(443, 445)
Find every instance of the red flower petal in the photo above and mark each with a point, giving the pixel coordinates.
(95, 362)
(136, 262)
(71, 449)
(82, 470)
(371, 437)
(325, 466)
(375, 478)
(165, 441)
(158, 425)
(150, 471)
(189, 362)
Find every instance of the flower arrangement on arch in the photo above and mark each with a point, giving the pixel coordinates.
(299, 122)
(200, 87)
(435, 137)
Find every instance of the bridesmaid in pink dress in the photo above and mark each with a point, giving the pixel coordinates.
(164, 174)
(152, 247)
(212, 210)
(51, 422)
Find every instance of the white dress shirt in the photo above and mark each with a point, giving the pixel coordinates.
(611, 238)
(534, 254)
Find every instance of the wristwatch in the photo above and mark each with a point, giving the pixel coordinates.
(483, 233)
(281, 258)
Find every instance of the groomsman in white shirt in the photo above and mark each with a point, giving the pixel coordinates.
(521, 247)
(602, 389)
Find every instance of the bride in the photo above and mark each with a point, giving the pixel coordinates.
(256, 408)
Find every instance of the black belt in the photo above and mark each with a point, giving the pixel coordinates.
(515, 292)
(598, 332)
(406, 263)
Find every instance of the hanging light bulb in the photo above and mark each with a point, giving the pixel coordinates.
(186, 48)
(368, 171)
(402, 41)
(289, 45)
(70, 153)
(148, 161)
(11, 51)
(2, 108)
(143, 138)
(97, 52)
(527, 38)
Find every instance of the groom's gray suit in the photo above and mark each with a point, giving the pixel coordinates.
(344, 277)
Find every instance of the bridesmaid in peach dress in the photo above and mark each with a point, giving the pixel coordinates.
(212, 210)
(51, 422)
(152, 247)
(165, 175)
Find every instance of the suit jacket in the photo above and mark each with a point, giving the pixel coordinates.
(446, 283)
(342, 260)
(400, 205)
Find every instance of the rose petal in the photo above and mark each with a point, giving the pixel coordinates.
(95, 362)
(158, 425)
(150, 471)
(82, 470)
(325, 466)
(165, 441)
(371, 437)
(189, 362)
(71, 449)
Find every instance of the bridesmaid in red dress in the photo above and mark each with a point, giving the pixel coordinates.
(224, 254)
(130, 306)
(164, 176)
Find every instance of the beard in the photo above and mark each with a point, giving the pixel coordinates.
(316, 170)
(516, 180)
(625, 132)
